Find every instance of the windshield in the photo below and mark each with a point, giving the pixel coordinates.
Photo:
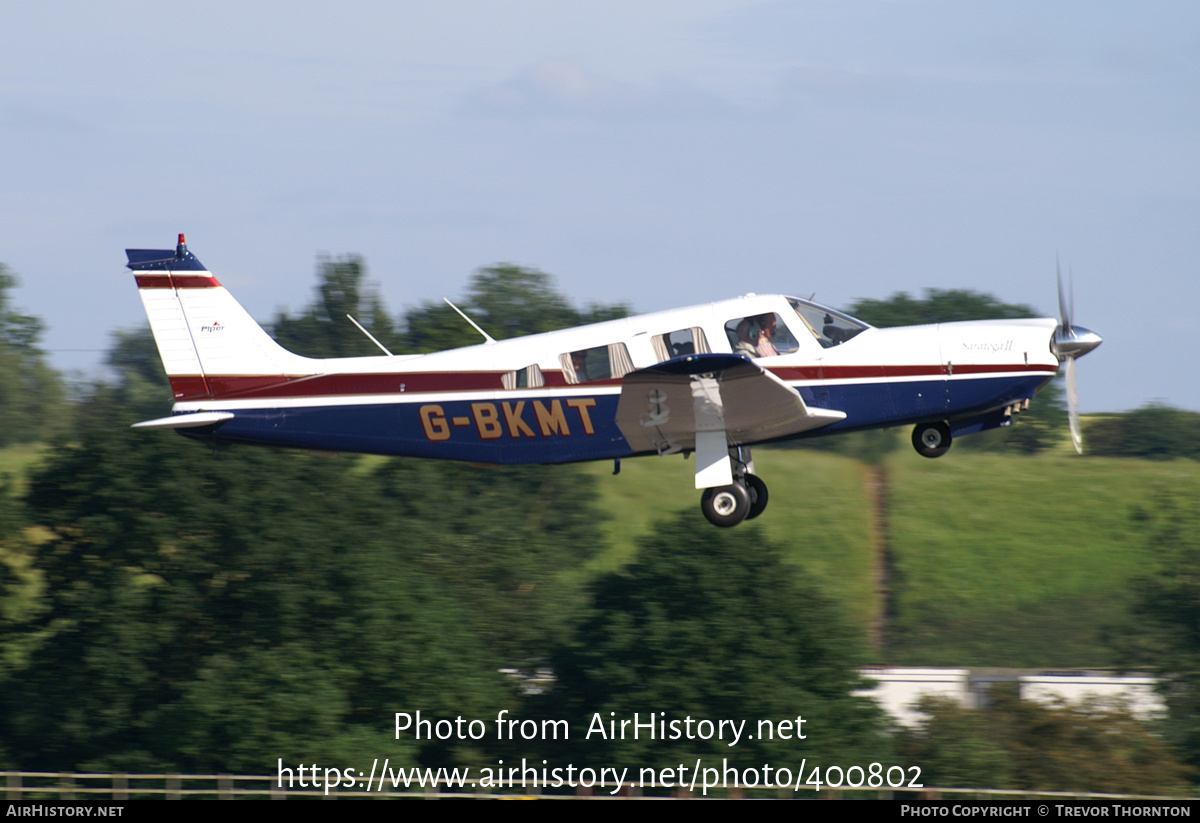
(831, 328)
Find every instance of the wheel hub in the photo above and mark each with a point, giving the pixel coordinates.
(724, 503)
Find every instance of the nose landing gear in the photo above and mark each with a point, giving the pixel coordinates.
(931, 439)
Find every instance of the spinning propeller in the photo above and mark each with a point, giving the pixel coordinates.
(1070, 342)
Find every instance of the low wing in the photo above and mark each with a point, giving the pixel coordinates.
(709, 402)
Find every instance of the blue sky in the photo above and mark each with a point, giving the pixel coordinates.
(655, 153)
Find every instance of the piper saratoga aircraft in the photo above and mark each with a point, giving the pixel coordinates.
(709, 380)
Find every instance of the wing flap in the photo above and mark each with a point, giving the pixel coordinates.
(663, 407)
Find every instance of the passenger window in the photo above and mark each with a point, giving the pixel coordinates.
(760, 335)
(529, 377)
(681, 342)
(599, 363)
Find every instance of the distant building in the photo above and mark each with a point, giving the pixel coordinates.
(900, 688)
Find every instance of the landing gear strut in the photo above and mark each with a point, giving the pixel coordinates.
(931, 439)
(744, 499)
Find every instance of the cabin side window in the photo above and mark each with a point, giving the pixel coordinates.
(760, 335)
(598, 363)
(529, 377)
(680, 342)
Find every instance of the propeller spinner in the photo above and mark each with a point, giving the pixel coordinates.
(1069, 342)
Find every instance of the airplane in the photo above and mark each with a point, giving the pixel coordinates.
(709, 380)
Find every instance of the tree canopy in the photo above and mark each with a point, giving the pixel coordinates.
(323, 329)
(937, 306)
(1163, 632)
(506, 301)
(32, 398)
(1023, 744)
(203, 608)
(1155, 431)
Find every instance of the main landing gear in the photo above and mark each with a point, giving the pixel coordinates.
(931, 439)
(744, 499)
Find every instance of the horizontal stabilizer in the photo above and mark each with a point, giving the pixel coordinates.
(185, 421)
(663, 407)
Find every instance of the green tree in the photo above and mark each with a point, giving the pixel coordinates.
(142, 384)
(1155, 431)
(218, 611)
(937, 306)
(711, 625)
(1163, 632)
(20, 589)
(32, 398)
(954, 746)
(507, 541)
(323, 330)
(506, 301)
(1023, 744)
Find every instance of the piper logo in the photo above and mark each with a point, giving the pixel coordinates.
(213, 329)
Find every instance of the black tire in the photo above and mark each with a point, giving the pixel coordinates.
(726, 506)
(931, 439)
(758, 495)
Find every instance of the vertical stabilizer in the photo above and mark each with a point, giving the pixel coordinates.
(203, 335)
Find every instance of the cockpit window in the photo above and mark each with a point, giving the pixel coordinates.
(760, 335)
(831, 328)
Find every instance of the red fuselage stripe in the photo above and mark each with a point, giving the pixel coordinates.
(238, 387)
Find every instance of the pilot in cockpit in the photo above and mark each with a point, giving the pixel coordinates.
(766, 330)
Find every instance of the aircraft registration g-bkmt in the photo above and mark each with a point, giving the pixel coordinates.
(709, 380)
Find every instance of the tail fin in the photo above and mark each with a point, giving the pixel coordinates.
(204, 336)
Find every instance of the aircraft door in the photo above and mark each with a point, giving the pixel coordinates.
(947, 370)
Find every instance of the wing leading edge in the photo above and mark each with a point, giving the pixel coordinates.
(709, 402)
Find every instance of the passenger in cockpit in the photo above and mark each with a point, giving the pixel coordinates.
(747, 336)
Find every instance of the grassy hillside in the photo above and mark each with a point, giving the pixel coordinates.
(997, 560)
(1019, 561)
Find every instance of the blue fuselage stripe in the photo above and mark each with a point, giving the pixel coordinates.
(543, 428)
